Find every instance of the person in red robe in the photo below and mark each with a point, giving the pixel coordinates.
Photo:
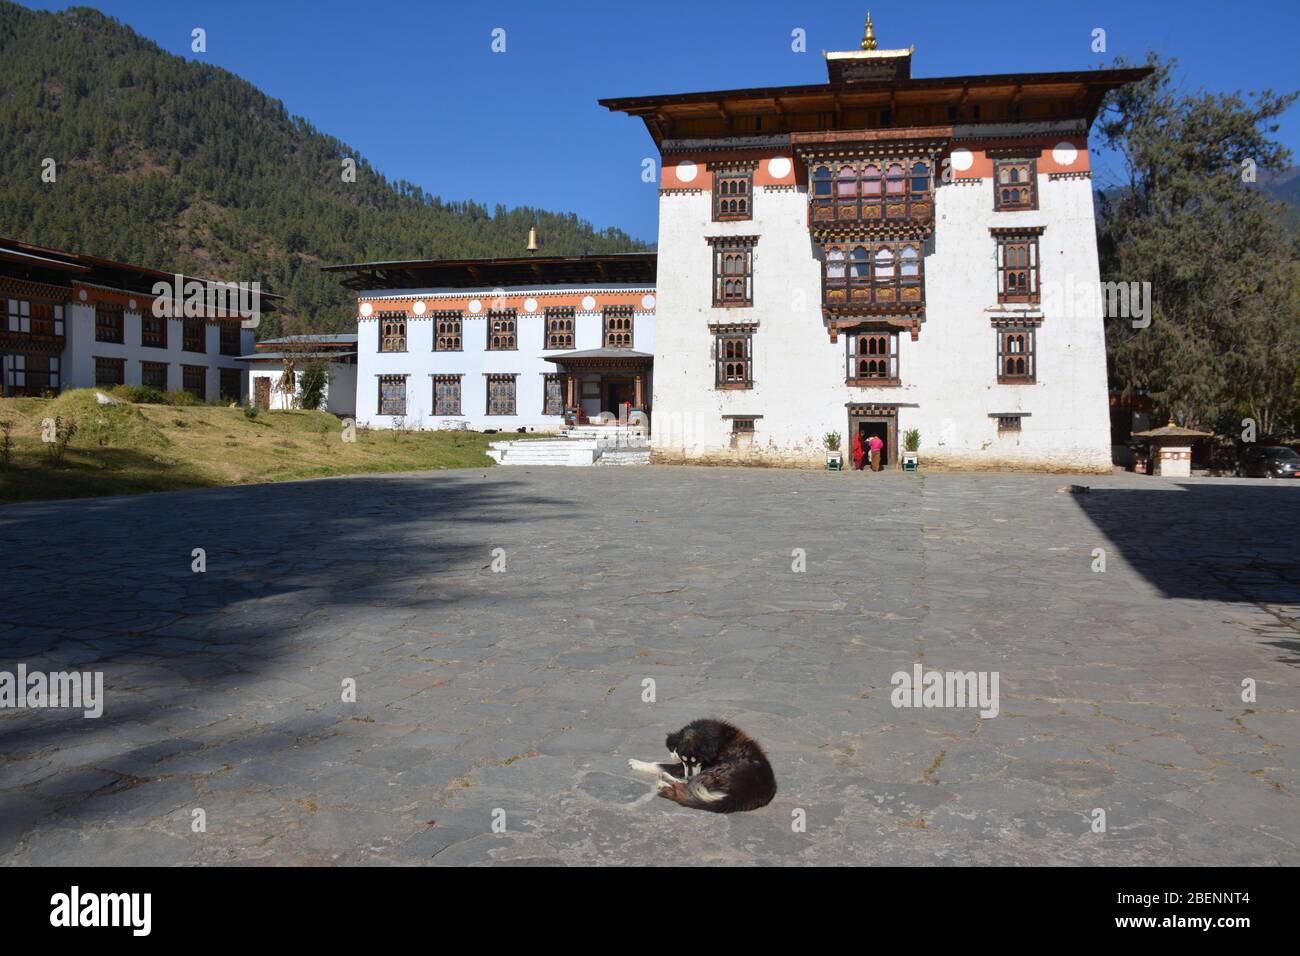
(859, 455)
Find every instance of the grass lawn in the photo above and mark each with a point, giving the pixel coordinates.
(127, 449)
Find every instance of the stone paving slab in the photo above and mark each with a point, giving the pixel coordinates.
(517, 697)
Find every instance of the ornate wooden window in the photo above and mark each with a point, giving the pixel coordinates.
(392, 395)
(733, 271)
(448, 329)
(872, 190)
(36, 318)
(733, 352)
(618, 327)
(733, 194)
(109, 322)
(154, 375)
(392, 331)
(559, 328)
(194, 379)
(228, 338)
(872, 358)
(1016, 356)
(873, 274)
(1018, 268)
(501, 332)
(229, 384)
(194, 335)
(153, 331)
(553, 394)
(446, 395)
(34, 374)
(110, 371)
(1015, 184)
(500, 394)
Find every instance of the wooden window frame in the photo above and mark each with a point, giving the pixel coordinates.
(560, 379)
(223, 378)
(872, 273)
(186, 370)
(153, 331)
(448, 331)
(852, 189)
(19, 370)
(1008, 338)
(561, 328)
(26, 316)
(1009, 424)
(733, 271)
(1018, 282)
(194, 336)
(500, 379)
(743, 424)
(617, 326)
(228, 337)
(733, 193)
(392, 332)
(381, 381)
(106, 361)
(447, 380)
(1003, 192)
(875, 360)
(733, 371)
(110, 323)
(503, 337)
(153, 367)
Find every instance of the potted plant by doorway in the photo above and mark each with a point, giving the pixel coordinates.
(834, 460)
(911, 444)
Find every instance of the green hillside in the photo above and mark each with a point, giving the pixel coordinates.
(171, 163)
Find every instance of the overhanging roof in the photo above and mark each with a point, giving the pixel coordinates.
(623, 268)
(811, 107)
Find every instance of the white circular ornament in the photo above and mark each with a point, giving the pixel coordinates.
(778, 167)
(1065, 154)
(530, 305)
(367, 308)
(962, 160)
(475, 306)
(588, 303)
(647, 301)
(687, 171)
(419, 307)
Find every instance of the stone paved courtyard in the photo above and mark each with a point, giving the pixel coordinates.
(521, 691)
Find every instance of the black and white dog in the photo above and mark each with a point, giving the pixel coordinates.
(716, 768)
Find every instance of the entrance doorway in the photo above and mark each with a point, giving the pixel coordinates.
(882, 424)
(616, 393)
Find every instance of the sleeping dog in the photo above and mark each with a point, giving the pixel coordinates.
(716, 768)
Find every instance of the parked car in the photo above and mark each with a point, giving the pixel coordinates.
(1269, 461)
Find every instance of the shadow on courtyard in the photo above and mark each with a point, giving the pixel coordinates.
(108, 584)
(1217, 542)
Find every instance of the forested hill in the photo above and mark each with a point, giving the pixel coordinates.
(170, 163)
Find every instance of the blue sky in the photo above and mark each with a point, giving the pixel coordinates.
(416, 89)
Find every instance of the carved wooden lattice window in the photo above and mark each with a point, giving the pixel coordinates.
(229, 338)
(154, 375)
(153, 331)
(392, 395)
(559, 328)
(1018, 269)
(1016, 356)
(392, 331)
(194, 379)
(110, 371)
(1015, 184)
(1008, 423)
(618, 327)
(500, 394)
(34, 374)
(872, 190)
(501, 332)
(447, 330)
(733, 194)
(108, 322)
(553, 394)
(733, 272)
(873, 358)
(734, 356)
(194, 335)
(873, 273)
(45, 318)
(446, 395)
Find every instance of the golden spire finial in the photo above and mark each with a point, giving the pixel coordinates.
(869, 36)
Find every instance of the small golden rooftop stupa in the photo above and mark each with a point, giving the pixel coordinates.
(869, 63)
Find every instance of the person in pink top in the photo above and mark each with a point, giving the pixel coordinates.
(873, 448)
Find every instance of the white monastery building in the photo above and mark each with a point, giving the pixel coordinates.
(72, 320)
(876, 254)
(514, 344)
